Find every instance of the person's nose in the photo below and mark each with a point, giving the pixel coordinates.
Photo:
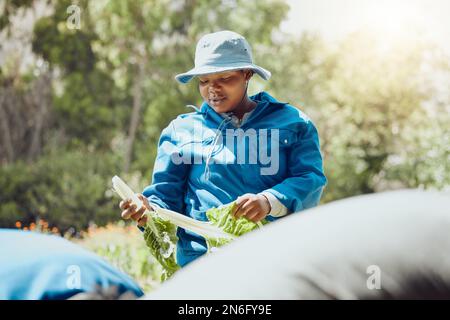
(213, 87)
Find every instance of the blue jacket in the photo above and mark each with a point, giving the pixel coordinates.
(203, 161)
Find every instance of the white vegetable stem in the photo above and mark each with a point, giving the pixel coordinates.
(205, 229)
(125, 192)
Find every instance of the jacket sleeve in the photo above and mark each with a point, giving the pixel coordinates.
(170, 173)
(303, 187)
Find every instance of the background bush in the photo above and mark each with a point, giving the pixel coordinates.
(68, 189)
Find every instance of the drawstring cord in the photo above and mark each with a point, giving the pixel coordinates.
(194, 107)
(207, 172)
(224, 122)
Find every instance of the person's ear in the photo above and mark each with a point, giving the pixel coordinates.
(249, 75)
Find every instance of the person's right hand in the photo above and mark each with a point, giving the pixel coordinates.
(129, 211)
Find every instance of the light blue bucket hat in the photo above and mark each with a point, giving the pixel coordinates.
(222, 51)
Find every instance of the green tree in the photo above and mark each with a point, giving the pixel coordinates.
(369, 103)
(86, 101)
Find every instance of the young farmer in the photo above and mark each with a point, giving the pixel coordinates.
(257, 151)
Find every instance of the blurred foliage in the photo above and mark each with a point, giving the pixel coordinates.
(86, 100)
(382, 117)
(123, 247)
(9, 8)
(370, 106)
(69, 189)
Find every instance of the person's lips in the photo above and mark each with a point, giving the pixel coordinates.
(217, 100)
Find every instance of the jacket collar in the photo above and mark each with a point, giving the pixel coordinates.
(263, 99)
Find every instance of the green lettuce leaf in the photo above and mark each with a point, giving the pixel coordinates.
(221, 217)
(160, 235)
(161, 238)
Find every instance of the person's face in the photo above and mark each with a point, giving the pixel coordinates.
(223, 91)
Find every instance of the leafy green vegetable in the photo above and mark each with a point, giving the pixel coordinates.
(221, 217)
(161, 238)
(160, 234)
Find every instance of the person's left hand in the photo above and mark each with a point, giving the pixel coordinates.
(254, 207)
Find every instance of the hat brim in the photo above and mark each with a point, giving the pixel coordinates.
(187, 76)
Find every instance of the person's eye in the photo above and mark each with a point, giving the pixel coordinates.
(203, 81)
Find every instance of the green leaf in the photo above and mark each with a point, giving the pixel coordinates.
(161, 238)
(221, 217)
